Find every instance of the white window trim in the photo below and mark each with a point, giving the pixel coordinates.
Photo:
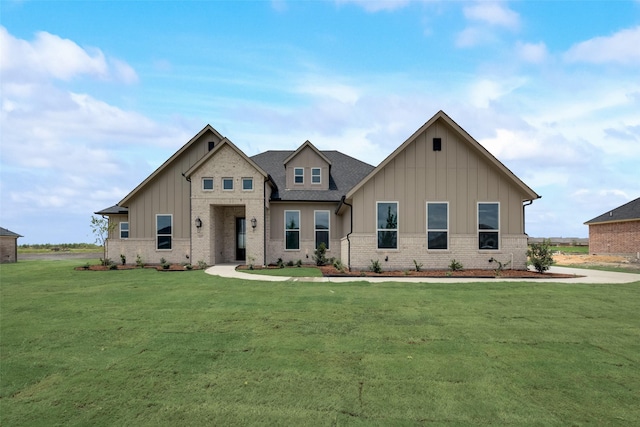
(164, 235)
(478, 230)
(298, 230)
(328, 230)
(230, 179)
(247, 178)
(294, 176)
(319, 176)
(397, 229)
(438, 229)
(124, 222)
(213, 186)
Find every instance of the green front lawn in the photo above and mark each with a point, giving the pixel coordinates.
(140, 347)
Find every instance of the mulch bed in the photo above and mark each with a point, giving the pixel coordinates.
(331, 271)
(172, 267)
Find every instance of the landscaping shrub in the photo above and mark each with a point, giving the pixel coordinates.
(540, 255)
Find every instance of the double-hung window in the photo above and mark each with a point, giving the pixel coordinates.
(316, 175)
(437, 225)
(298, 175)
(164, 231)
(124, 230)
(292, 230)
(489, 226)
(387, 225)
(321, 225)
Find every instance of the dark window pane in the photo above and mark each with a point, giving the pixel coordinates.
(322, 237)
(322, 220)
(488, 216)
(227, 184)
(488, 240)
(437, 240)
(387, 216)
(292, 240)
(207, 184)
(247, 184)
(387, 239)
(164, 242)
(292, 220)
(164, 224)
(437, 216)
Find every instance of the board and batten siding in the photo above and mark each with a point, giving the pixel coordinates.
(168, 193)
(457, 174)
(307, 159)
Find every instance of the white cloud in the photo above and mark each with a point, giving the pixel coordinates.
(534, 53)
(622, 47)
(492, 13)
(49, 56)
(474, 36)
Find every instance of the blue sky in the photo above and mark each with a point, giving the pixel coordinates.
(97, 94)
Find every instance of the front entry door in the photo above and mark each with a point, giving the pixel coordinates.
(241, 242)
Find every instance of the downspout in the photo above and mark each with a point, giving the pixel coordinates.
(264, 224)
(190, 225)
(523, 213)
(344, 201)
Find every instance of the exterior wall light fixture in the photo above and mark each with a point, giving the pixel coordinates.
(254, 222)
(198, 222)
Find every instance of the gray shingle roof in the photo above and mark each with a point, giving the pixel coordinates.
(8, 233)
(345, 173)
(115, 209)
(626, 212)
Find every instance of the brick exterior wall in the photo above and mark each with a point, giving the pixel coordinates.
(462, 248)
(8, 248)
(615, 238)
(146, 248)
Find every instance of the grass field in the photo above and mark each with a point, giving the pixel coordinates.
(141, 347)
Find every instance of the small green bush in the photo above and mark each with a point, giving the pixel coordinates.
(139, 262)
(418, 265)
(337, 264)
(123, 258)
(290, 263)
(299, 263)
(375, 266)
(455, 265)
(202, 265)
(280, 263)
(320, 255)
(540, 255)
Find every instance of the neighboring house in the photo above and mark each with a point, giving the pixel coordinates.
(439, 196)
(617, 231)
(8, 246)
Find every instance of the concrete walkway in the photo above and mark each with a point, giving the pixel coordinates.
(589, 276)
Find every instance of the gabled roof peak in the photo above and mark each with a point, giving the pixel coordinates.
(307, 144)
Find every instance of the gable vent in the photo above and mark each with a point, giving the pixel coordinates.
(437, 144)
(211, 144)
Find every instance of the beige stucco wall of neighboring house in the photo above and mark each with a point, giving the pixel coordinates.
(276, 243)
(458, 174)
(615, 238)
(215, 241)
(307, 159)
(8, 249)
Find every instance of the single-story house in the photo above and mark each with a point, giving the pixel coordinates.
(439, 196)
(8, 246)
(617, 231)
